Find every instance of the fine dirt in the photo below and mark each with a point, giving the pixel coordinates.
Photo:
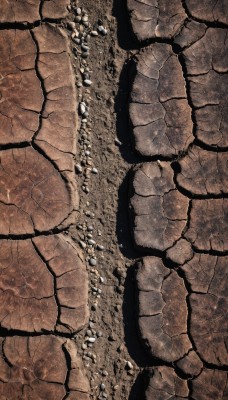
(113, 314)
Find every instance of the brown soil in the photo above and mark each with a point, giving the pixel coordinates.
(110, 63)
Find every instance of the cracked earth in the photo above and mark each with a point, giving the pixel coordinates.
(113, 286)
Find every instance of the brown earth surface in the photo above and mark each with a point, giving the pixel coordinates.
(178, 206)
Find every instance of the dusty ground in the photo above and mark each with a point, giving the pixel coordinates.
(113, 316)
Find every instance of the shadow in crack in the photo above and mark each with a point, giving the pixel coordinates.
(138, 389)
(123, 126)
(134, 346)
(123, 225)
(125, 35)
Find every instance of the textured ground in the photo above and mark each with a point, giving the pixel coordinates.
(166, 315)
(44, 282)
(178, 206)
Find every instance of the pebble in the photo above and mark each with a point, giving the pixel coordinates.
(84, 47)
(102, 386)
(102, 30)
(92, 339)
(82, 108)
(87, 82)
(84, 346)
(100, 247)
(94, 170)
(78, 11)
(82, 244)
(78, 18)
(118, 142)
(94, 33)
(91, 242)
(71, 25)
(92, 262)
(104, 373)
(78, 168)
(77, 40)
(101, 279)
(90, 228)
(129, 365)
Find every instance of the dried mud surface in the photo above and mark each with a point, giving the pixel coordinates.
(155, 137)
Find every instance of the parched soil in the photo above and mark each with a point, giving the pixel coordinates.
(113, 199)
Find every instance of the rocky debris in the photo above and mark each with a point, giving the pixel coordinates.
(156, 18)
(203, 172)
(34, 196)
(159, 110)
(27, 11)
(19, 108)
(208, 10)
(39, 367)
(163, 383)
(162, 310)
(160, 211)
(206, 65)
(208, 225)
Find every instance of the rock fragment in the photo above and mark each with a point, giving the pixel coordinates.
(156, 18)
(160, 211)
(159, 110)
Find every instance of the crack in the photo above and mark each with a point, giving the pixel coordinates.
(215, 24)
(54, 282)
